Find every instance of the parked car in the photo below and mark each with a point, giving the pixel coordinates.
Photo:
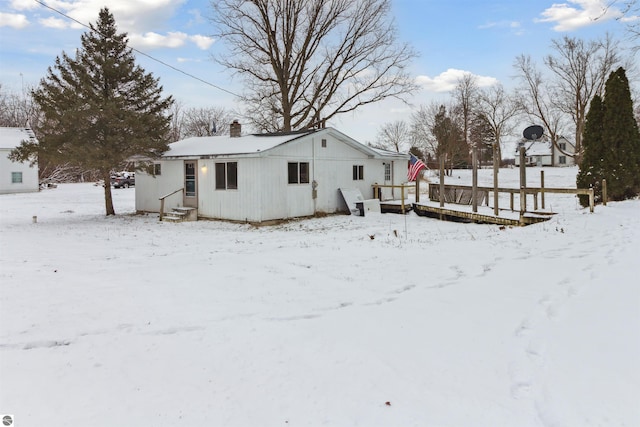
(123, 180)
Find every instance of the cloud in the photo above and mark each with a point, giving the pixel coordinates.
(585, 13)
(447, 81)
(203, 42)
(154, 40)
(23, 4)
(56, 23)
(13, 20)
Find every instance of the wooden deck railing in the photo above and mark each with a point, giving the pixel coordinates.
(377, 193)
(452, 190)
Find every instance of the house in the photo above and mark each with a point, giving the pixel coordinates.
(543, 153)
(16, 177)
(265, 177)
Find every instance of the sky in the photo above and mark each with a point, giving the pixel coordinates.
(138, 322)
(452, 37)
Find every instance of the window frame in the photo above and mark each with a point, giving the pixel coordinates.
(17, 178)
(358, 172)
(298, 173)
(226, 175)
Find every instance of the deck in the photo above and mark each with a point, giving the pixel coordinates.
(485, 216)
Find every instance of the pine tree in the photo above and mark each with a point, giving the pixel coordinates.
(620, 136)
(100, 108)
(611, 143)
(591, 168)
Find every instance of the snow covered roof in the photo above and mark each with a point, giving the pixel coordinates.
(538, 148)
(257, 143)
(226, 145)
(11, 137)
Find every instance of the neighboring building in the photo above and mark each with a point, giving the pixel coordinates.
(16, 177)
(265, 177)
(543, 153)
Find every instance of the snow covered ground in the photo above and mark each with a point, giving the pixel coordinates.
(383, 320)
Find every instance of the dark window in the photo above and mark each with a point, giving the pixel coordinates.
(293, 173)
(304, 173)
(324, 143)
(563, 145)
(16, 177)
(157, 169)
(562, 160)
(358, 172)
(221, 176)
(227, 176)
(387, 171)
(298, 173)
(232, 176)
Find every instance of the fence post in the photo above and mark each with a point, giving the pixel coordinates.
(523, 183)
(542, 188)
(418, 188)
(604, 192)
(591, 201)
(161, 208)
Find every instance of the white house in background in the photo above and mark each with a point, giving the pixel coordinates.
(543, 153)
(265, 177)
(16, 177)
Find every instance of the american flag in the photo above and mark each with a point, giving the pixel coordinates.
(415, 166)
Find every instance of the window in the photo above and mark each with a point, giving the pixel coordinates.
(298, 172)
(562, 160)
(358, 172)
(16, 177)
(563, 145)
(387, 171)
(227, 176)
(324, 143)
(154, 169)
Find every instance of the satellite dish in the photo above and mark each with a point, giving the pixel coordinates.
(533, 132)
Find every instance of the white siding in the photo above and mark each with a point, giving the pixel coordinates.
(30, 182)
(150, 188)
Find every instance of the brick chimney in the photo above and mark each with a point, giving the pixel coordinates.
(235, 130)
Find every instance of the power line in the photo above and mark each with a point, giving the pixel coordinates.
(142, 53)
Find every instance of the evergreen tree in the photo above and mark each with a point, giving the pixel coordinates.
(621, 138)
(611, 143)
(591, 168)
(100, 108)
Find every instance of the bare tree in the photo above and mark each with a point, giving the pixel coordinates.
(394, 136)
(422, 124)
(18, 110)
(537, 99)
(580, 70)
(205, 121)
(465, 99)
(304, 62)
(498, 109)
(175, 112)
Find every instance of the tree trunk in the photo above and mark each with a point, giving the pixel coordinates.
(108, 200)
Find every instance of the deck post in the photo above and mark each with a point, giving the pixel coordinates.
(161, 208)
(496, 165)
(542, 188)
(523, 183)
(474, 179)
(441, 180)
(591, 200)
(604, 192)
